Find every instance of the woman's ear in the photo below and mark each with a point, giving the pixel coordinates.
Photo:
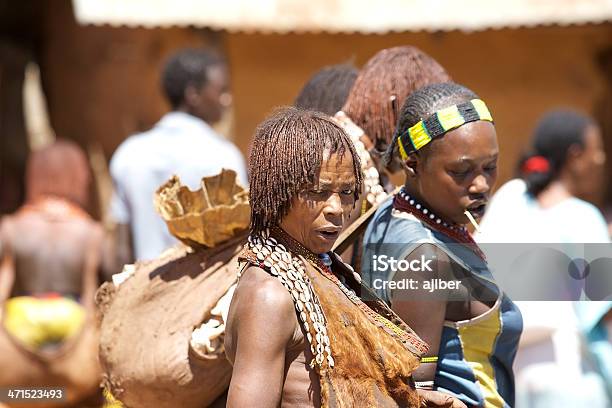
(410, 165)
(574, 154)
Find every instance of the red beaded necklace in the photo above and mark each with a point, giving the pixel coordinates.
(403, 202)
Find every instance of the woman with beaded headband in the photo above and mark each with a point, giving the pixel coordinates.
(447, 144)
(298, 333)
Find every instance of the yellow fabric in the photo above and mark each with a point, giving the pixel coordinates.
(403, 153)
(419, 135)
(110, 401)
(478, 341)
(36, 322)
(482, 110)
(450, 118)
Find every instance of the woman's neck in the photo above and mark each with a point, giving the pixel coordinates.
(413, 192)
(556, 192)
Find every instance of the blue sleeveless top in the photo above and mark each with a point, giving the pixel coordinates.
(475, 356)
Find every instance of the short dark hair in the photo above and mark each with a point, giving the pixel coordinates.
(555, 133)
(187, 68)
(327, 90)
(286, 154)
(425, 102)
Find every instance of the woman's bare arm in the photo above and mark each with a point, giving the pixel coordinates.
(261, 323)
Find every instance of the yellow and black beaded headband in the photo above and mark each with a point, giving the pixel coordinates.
(441, 122)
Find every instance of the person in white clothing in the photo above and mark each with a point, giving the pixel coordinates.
(542, 206)
(183, 142)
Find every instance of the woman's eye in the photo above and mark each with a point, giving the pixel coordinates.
(347, 192)
(491, 168)
(458, 173)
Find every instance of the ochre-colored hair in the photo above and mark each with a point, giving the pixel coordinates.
(61, 170)
(286, 155)
(382, 86)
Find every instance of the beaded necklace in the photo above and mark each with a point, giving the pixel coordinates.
(374, 192)
(323, 262)
(405, 203)
(271, 255)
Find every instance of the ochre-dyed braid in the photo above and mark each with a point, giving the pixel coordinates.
(382, 85)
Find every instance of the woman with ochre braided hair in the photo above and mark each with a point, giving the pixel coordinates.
(448, 148)
(370, 112)
(302, 330)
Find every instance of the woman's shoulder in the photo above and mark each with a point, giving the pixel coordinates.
(585, 220)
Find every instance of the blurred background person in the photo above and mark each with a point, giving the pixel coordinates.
(326, 91)
(566, 162)
(51, 250)
(542, 206)
(49, 271)
(196, 84)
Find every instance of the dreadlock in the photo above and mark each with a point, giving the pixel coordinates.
(286, 155)
(327, 90)
(423, 103)
(383, 83)
(556, 132)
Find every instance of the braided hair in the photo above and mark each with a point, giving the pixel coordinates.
(555, 133)
(327, 90)
(423, 103)
(382, 85)
(286, 155)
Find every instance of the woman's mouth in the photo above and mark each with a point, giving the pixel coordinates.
(329, 234)
(477, 211)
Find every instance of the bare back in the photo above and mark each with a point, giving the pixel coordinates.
(49, 252)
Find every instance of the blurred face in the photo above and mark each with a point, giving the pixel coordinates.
(586, 164)
(458, 172)
(210, 101)
(320, 212)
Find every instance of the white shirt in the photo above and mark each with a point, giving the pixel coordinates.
(515, 216)
(550, 329)
(178, 144)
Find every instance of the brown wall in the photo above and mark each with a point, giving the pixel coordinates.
(102, 82)
(520, 73)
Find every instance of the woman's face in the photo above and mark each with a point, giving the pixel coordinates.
(458, 171)
(587, 164)
(320, 212)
